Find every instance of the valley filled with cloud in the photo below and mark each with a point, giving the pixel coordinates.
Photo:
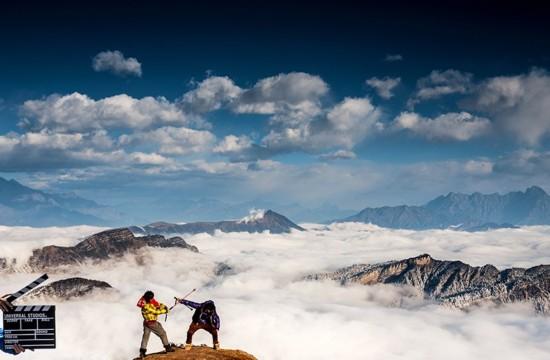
(268, 309)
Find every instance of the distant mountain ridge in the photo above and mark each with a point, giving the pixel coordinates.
(257, 222)
(464, 211)
(454, 283)
(23, 206)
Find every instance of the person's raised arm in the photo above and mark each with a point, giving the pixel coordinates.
(191, 304)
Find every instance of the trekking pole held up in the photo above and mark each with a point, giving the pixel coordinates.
(176, 299)
(176, 302)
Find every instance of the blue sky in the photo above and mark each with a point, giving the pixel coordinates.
(293, 104)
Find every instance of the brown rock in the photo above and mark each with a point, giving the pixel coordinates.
(202, 353)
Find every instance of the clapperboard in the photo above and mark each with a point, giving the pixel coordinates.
(32, 326)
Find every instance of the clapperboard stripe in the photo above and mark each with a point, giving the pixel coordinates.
(28, 288)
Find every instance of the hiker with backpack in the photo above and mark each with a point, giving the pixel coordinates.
(150, 310)
(204, 317)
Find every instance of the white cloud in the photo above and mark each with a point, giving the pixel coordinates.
(519, 104)
(233, 144)
(116, 63)
(393, 57)
(149, 159)
(267, 272)
(440, 83)
(77, 113)
(344, 125)
(461, 126)
(211, 94)
(338, 155)
(384, 86)
(172, 140)
(525, 161)
(280, 93)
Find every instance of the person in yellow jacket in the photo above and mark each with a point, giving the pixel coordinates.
(150, 310)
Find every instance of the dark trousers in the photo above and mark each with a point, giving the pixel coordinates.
(197, 326)
(156, 328)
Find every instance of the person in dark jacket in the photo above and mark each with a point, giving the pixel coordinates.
(206, 318)
(5, 305)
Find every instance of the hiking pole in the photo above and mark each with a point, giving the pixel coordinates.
(176, 302)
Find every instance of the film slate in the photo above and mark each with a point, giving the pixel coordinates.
(32, 327)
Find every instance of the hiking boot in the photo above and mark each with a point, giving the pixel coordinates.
(142, 353)
(169, 348)
(217, 346)
(188, 347)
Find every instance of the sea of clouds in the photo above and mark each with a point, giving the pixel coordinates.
(267, 310)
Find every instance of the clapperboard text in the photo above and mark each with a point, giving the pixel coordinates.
(33, 326)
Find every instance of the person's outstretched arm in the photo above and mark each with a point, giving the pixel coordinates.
(191, 304)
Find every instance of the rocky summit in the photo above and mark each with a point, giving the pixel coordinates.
(68, 289)
(101, 246)
(257, 222)
(202, 353)
(453, 282)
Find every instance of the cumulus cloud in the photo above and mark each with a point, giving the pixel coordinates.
(338, 155)
(384, 86)
(524, 161)
(267, 275)
(344, 125)
(461, 126)
(115, 62)
(292, 92)
(35, 151)
(440, 83)
(393, 57)
(233, 144)
(281, 92)
(519, 104)
(211, 94)
(171, 140)
(78, 112)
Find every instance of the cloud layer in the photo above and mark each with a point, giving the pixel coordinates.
(266, 282)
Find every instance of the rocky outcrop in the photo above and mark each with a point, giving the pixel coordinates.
(68, 289)
(202, 353)
(469, 212)
(453, 282)
(101, 246)
(258, 222)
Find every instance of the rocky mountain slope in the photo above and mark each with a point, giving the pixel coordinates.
(256, 222)
(453, 282)
(21, 205)
(68, 289)
(472, 212)
(101, 246)
(202, 353)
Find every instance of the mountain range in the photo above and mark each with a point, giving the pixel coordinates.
(258, 221)
(454, 283)
(469, 212)
(24, 206)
